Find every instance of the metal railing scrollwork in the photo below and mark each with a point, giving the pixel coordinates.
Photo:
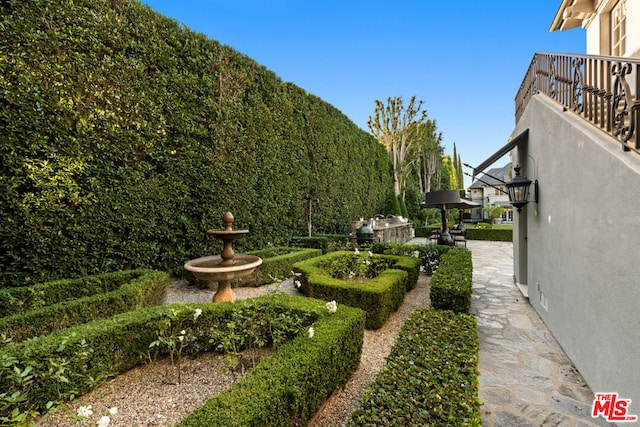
(604, 90)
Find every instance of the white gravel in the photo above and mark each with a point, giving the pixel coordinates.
(149, 395)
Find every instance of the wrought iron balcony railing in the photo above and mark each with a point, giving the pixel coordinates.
(603, 90)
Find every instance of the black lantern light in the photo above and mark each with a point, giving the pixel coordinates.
(518, 190)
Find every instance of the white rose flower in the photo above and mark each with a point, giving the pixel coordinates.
(332, 306)
(85, 411)
(104, 421)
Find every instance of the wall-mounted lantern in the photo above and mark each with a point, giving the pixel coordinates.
(518, 190)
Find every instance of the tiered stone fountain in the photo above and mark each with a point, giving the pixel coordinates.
(227, 266)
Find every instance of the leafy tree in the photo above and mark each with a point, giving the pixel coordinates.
(427, 154)
(394, 126)
(450, 169)
(494, 212)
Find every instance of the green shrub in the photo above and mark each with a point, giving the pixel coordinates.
(325, 242)
(379, 296)
(428, 254)
(40, 309)
(26, 298)
(430, 377)
(294, 382)
(277, 264)
(497, 235)
(300, 375)
(450, 287)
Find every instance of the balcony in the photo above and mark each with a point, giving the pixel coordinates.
(603, 90)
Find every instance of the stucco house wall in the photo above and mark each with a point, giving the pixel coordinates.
(577, 249)
(595, 17)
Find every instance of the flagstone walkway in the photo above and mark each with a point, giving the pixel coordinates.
(526, 379)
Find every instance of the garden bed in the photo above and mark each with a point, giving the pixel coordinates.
(374, 283)
(296, 379)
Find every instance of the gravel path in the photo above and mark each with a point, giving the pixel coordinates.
(149, 395)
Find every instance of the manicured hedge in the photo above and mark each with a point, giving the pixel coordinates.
(289, 387)
(379, 296)
(451, 286)
(277, 264)
(428, 254)
(296, 379)
(49, 307)
(430, 377)
(125, 136)
(497, 235)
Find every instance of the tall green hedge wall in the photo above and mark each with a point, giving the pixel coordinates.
(125, 136)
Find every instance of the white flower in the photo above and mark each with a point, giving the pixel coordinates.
(311, 332)
(104, 421)
(197, 313)
(85, 411)
(183, 332)
(113, 411)
(180, 338)
(370, 253)
(298, 284)
(357, 251)
(332, 306)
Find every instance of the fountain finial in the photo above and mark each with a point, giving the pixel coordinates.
(228, 221)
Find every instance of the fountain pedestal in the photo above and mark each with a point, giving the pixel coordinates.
(227, 266)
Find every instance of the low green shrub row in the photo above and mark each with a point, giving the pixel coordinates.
(86, 299)
(494, 234)
(326, 242)
(428, 254)
(379, 296)
(277, 264)
(38, 373)
(451, 286)
(22, 299)
(430, 377)
(289, 387)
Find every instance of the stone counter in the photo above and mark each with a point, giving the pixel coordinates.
(388, 230)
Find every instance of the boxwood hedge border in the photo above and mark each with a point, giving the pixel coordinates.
(52, 306)
(295, 380)
(379, 296)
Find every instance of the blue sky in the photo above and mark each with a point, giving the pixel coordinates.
(464, 58)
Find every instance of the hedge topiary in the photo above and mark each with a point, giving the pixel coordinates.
(430, 377)
(378, 296)
(451, 286)
(496, 234)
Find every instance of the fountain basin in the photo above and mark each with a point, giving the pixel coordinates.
(210, 268)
